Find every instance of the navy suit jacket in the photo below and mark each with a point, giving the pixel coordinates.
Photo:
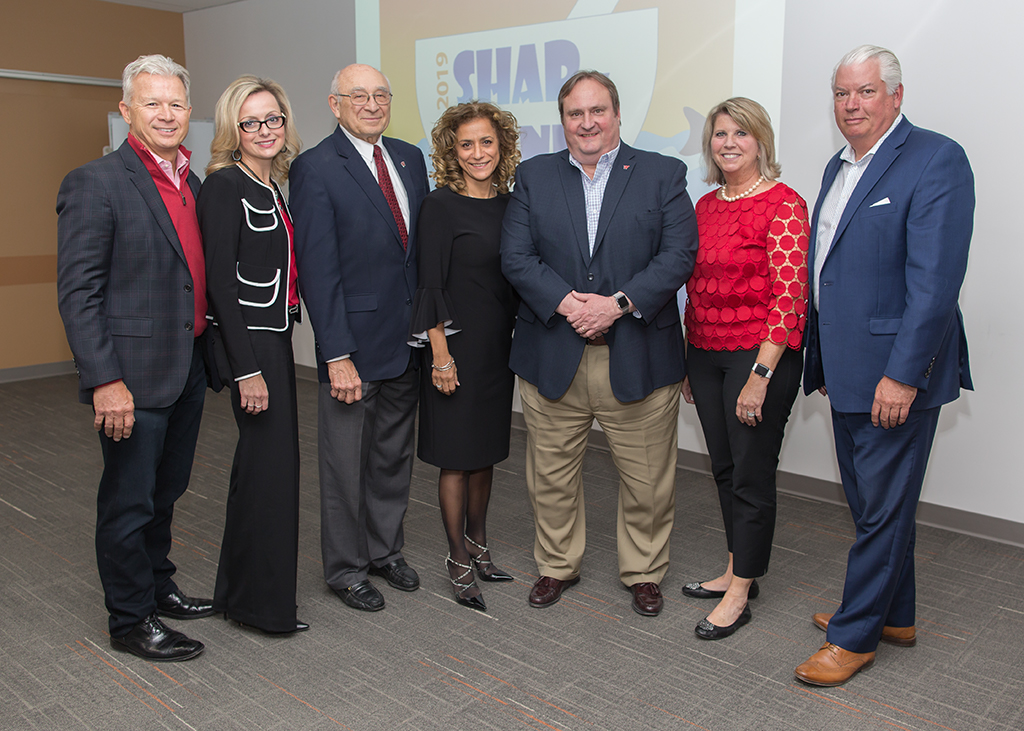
(645, 246)
(887, 303)
(123, 284)
(357, 281)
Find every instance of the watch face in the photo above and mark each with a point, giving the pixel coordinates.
(622, 302)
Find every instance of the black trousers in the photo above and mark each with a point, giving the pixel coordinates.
(257, 573)
(142, 477)
(743, 458)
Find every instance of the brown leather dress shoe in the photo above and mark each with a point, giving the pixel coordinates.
(546, 591)
(647, 598)
(832, 665)
(901, 636)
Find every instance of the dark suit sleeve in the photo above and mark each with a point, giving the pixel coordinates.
(539, 286)
(85, 239)
(318, 257)
(939, 225)
(670, 268)
(220, 219)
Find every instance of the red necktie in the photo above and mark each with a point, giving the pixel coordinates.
(389, 193)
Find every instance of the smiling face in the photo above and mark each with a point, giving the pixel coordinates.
(264, 144)
(591, 124)
(367, 122)
(863, 107)
(158, 114)
(734, 150)
(478, 153)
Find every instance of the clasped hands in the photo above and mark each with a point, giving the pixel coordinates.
(590, 315)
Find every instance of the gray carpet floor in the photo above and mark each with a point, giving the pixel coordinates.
(588, 662)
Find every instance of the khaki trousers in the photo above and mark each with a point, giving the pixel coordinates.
(643, 439)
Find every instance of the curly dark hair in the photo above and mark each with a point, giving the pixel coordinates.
(443, 138)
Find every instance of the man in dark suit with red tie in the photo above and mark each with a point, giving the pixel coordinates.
(885, 340)
(356, 197)
(131, 285)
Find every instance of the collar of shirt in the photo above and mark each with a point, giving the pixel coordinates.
(176, 172)
(604, 163)
(848, 155)
(365, 149)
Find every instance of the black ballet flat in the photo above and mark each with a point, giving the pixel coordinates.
(708, 631)
(697, 591)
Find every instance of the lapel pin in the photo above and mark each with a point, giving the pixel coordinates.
(625, 167)
(402, 163)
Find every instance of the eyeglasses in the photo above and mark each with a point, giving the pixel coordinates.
(253, 125)
(361, 98)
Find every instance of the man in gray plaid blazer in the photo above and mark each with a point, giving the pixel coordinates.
(132, 294)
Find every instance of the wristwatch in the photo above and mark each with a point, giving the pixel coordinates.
(762, 370)
(622, 301)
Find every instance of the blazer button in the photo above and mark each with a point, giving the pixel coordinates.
(590, 276)
(188, 287)
(408, 302)
(188, 325)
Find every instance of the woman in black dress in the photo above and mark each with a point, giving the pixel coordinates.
(253, 294)
(465, 310)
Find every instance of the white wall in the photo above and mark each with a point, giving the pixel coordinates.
(973, 465)
(300, 45)
(958, 75)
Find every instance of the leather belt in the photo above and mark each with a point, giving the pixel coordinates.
(599, 340)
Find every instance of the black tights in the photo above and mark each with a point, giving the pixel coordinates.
(463, 496)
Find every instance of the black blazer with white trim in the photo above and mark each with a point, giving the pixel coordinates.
(248, 260)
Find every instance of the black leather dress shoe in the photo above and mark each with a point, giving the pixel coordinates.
(398, 574)
(708, 631)
(362, 596)
(178, 606)
(154, 640)
(697, 591)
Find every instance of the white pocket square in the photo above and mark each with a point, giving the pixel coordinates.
(884, 202)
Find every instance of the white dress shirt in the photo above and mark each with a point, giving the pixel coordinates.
(832, 208)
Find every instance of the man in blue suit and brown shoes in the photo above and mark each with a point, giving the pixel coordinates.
(597, 239)
(885, 340)
(356, 197)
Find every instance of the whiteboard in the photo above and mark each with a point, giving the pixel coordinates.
(200, 135)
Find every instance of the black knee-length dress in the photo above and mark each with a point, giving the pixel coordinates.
(461, 285)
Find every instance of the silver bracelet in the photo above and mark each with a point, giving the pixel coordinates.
(446, 367)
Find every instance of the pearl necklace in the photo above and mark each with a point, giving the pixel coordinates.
(744, 194)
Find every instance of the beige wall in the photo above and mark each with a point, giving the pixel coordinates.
(52, 129)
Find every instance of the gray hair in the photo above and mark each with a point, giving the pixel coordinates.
(888, 65)
(158, 66)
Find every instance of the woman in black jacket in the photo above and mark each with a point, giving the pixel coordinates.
(253, 295)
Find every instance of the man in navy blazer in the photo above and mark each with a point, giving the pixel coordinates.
(597, 239)
(132, 294)
(885, 340)
(356, 197)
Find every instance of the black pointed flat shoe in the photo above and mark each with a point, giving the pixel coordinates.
(707, 631)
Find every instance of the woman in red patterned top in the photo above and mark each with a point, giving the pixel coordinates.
(745, 312)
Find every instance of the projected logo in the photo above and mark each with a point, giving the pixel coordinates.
(522, 69)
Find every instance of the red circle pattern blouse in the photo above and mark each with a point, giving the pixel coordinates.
(750, 280)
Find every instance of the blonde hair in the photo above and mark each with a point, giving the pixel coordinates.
(751, 117)
(443, 139)
(227, 136)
